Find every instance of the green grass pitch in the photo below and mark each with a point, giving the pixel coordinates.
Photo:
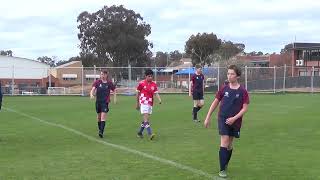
(56, 138)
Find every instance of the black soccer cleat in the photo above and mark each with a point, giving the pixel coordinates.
(100, 135)
(140, 135)
(152, 136)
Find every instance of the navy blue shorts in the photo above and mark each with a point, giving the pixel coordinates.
(197, 95)
(225, 129)
(102, 107)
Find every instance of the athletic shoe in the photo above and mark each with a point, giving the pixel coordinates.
(100, 135)
(140, 135)
(223, 174)
(152, 136)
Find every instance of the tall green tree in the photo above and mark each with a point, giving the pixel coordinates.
(162, 59)
(254, 53)
(61, 62)
(175, 55)
(47, 60)
(201, 46)
(115, 35)
(229, 49)
(90, 60)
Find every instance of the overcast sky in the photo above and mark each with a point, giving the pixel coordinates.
(37, 28)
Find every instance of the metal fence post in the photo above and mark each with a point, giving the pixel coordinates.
(129, 76)
(274, 79)
(12, 81)
(155, 74)
(218, 77)
(82, 81)
(189, 79)
(246, 76)
(95, 73)
(284, 78)
(312, 78)
(49, 71)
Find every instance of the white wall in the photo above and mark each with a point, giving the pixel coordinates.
(22, 68)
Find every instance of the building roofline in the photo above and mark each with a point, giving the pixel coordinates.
(67, 64)
(24, 59)
(299, 45)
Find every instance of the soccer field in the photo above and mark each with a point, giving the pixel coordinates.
(56, 138)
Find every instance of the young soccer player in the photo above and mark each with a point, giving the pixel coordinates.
(102, 88)
(196, 89)
(234, 100)
(145, 92)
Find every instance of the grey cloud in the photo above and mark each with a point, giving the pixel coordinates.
(260, 25)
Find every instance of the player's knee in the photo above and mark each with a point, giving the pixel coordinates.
(195, 104)
(225, 141)
(146, 117)
(223, 145)
(103, 115)
(230, 145)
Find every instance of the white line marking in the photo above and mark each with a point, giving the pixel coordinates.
(165, 161)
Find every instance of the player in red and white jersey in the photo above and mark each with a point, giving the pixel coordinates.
(145, 92)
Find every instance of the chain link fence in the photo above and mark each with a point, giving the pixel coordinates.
(79, 80)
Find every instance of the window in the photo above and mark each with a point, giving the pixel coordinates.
(300, 54)
(306, 54)
(69, 79)
(303, 73)
(310, 55)
(92, 77)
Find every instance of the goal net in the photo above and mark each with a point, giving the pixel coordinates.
(58, 90)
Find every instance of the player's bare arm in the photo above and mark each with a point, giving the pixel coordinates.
(190, 85)
(115, 96)
(137, 100)
(92, 92)
(159, 98)
(203, 85)
(212, 108)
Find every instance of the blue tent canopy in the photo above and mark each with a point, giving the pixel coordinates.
(205, 71)
(185, 71)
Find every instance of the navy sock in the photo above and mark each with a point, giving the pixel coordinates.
(223, 157)
(198, 108)
(229, 155)
(147, 125)
(103, 123)
(195, 113)
(141, 128)
(99, 125)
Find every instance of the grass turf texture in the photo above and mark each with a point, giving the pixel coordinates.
(279, 139)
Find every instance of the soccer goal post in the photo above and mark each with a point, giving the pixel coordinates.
(57, 91)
